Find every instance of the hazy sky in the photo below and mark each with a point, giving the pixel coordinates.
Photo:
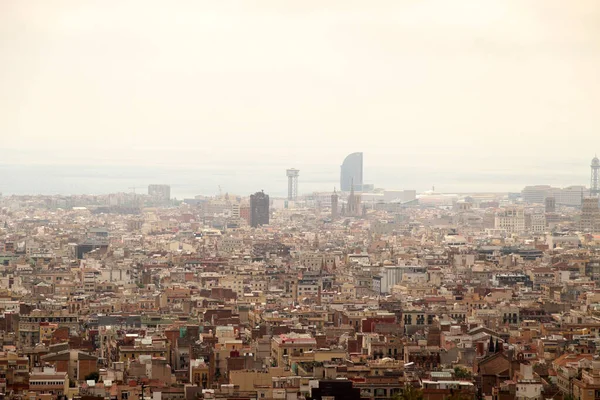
(488, 95)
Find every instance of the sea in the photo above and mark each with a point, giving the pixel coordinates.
(187, 182)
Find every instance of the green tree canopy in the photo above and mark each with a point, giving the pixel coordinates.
(95, 376)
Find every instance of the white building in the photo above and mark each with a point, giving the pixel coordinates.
(538, 223)
(569, 196)
(528, 387)
(511, 220)
(392, 275)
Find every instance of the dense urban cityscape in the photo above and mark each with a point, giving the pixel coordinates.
(299, 200)
(358, 293)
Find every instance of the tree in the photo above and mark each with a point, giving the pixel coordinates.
(491, 346)
(462, 373)
(95, 376)
(409, 392)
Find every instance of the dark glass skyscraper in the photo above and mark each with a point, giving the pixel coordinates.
(352, 172)
(259, 209)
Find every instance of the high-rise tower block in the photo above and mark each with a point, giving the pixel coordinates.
(292, 175)
(595, 179)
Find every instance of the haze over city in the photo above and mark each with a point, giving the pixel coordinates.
(299, 200)
(489, 96)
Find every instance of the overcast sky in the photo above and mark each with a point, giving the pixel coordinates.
(503, 92)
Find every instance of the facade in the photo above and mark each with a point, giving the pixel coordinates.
(29, 325)
(567, 196)
(259, 209)
(48, 382)
(285, 346)
(392, 275)
(590, 215)
(538, 223)
(352, 172)
(511, 220)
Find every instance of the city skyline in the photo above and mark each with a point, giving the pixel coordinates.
(192, 181)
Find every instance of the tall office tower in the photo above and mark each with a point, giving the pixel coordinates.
(334, 205)
(352, 172)
(259, 209)
(595, 182)
(550, 204)
(159, 194)
(590, 215)
(292, 175)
